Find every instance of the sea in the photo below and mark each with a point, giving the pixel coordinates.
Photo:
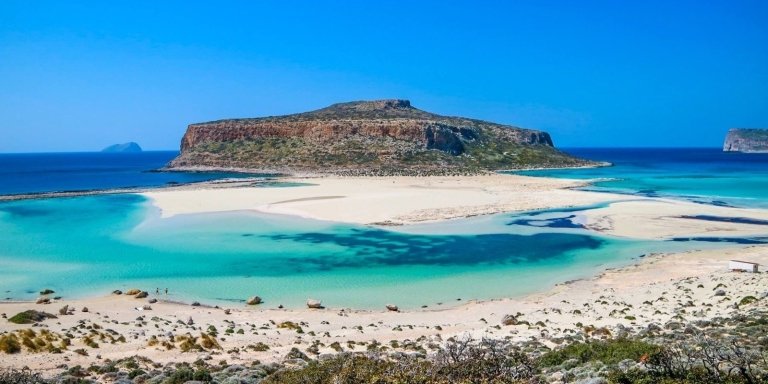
(706, 175)
(28, 173)
(91, 245)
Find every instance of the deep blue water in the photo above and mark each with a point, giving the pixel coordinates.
(58, 172)
(706, 175)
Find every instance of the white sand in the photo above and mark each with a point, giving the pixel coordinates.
(407, 200)
(391, 199)
(650, 218)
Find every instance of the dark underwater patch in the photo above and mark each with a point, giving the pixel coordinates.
(735, 240)
(25, 210)
(647, 193)
(382, 248)
(558, 222)
(562, 210)
(717, 203)
(724, 219)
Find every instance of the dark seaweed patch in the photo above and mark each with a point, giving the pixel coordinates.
(381, 248)
(735, 240)
(724, 219)
(25, 211)
(558, 222)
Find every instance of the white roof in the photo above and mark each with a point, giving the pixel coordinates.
(745, 262)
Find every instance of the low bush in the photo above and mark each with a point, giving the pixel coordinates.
(9, 344)
(30, 316)
(21, 377)
(607, 352)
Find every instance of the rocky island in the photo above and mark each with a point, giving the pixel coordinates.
(382, 137)
(746, 140)
(129, 147)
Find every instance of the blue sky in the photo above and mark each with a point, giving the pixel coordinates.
(81, 75)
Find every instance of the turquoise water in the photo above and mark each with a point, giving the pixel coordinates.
(92, 245)
(706, 175)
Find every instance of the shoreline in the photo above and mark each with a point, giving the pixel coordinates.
(614, 298)
(404, 200)
(390, 200)
(219, 183)
(283, 173)
(263, 175)
(556, 309)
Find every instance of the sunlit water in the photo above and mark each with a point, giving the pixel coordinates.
(706, 175)
(90, 246)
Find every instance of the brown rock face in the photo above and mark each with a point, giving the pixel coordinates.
(362, 137)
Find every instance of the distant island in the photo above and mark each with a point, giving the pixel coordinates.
(746, 140)
(130, 147)
(381, 137)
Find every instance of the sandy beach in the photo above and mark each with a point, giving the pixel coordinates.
(393, 200)
(660, 289)
(410, 200)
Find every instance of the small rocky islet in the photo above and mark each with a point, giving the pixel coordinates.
(129, 147)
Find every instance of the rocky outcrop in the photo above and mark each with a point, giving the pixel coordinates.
(746, 140)
(253, 300)
(383, 136)
(129, 147)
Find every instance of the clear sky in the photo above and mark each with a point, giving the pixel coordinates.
(83, 75)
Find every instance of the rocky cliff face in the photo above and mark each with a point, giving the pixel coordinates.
(129, 147)
(368, 137)
(746, 140)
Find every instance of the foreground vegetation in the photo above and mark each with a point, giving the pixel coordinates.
(731, 351)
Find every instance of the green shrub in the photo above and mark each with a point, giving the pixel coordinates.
(259, 347)
(30, 316)
(341, 369)
(136, 372)
(180, 376)
(202, 375)
(748, 300)
(608, 352)
(21, 377)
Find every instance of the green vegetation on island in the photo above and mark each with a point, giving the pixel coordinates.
(384, 137)
(746, 140)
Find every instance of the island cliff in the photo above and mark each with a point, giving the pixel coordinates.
(129, 147)
(382, 137)
(746, 140)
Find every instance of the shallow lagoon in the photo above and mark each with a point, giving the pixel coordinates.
(92, 245)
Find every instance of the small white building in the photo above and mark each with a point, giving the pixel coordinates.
(743, 266)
